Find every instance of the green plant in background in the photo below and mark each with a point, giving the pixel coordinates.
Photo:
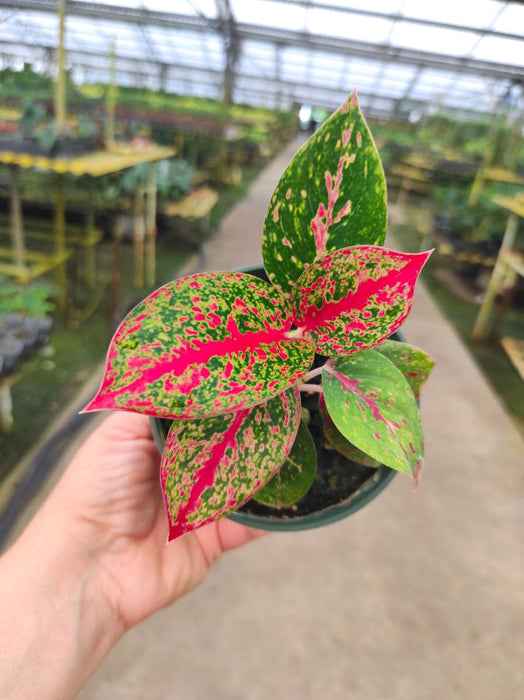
(174, 178)
(481, 221)
(32, 299)
(227, 355)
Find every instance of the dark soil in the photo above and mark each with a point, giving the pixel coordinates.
(336, 480)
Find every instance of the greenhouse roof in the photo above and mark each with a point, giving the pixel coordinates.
(405, 57)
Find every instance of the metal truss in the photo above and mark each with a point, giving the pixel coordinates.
(280, 91)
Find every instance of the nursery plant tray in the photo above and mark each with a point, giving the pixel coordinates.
(94, 164)
(195, 205)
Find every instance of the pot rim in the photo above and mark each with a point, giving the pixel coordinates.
(330, 514)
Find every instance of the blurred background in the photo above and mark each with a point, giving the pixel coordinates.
(130, 129)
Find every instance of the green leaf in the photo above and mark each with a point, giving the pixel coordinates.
(339, 442)
(203, 345)
(372, 405)
(332, 195)
(355, 297)
(414, 363)
(210, 467)
(295, 476)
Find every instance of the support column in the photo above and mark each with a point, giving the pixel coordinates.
(60, 85)
(60, 236)
(109, 135)
(16, 222)
(138, 238)
(151, 202)
(481, 327)
(90, 248)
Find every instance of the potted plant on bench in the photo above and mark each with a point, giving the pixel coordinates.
(222, 360)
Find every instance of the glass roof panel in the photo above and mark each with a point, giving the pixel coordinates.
(511, 19)
(206, 8)
(270, 13)
(348, 26)
(453, 12)
(428, 38)
(382, 6)
(194, 52)
(492, 48)
(394, 72)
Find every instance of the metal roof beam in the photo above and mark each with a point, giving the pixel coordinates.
(399, 17)
(306, 40)
(292, 90)
(227, 28)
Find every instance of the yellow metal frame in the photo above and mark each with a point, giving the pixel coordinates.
(26, 266)
(95, 164)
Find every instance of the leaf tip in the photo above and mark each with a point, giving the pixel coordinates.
(416, 474)
(173, 533)
(100, 402)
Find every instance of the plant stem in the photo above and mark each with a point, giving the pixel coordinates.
(295, 333)
(310, 375)
(311, 388)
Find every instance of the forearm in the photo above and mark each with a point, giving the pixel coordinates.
(56, 627)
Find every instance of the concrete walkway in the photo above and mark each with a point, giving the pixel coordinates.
(419, 596)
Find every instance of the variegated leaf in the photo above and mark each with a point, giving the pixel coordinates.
(203, 345)
(339, 442)
(372, 405)
(414, 363)
(355, 297)
(332, 195)
(213, 465)
(295, 476)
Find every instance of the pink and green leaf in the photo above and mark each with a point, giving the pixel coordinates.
(332, 195)
(201, 346)
(355, 297)
(373, 406)
(210, 467)
(414, 363)
(294, 478)
(339, 442)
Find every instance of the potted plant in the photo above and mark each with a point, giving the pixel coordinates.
(226, 357)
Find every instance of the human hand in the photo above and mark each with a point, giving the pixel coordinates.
(111, 498)
(94, 562)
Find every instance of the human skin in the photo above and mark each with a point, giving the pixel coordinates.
(94, 562)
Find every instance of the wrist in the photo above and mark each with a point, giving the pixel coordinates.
(56, 625)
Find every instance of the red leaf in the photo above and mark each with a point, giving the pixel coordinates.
(213, 465)
(203, 345)
(355, 297)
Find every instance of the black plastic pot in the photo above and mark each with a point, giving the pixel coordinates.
(360, 486)
(63, 147)
(341, 486)
(19, 336)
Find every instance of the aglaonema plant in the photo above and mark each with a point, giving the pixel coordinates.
(226, 355)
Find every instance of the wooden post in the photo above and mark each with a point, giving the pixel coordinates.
(16, 223)
(481, 327)
(138, 236)
(111, 100)
(6, 405)
(60, 236)
(90, 272)
(151, 192)
(60, 84)
(116, 275)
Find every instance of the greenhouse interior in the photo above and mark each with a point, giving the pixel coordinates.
(142, 143)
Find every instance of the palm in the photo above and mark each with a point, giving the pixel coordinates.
(119, 515)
